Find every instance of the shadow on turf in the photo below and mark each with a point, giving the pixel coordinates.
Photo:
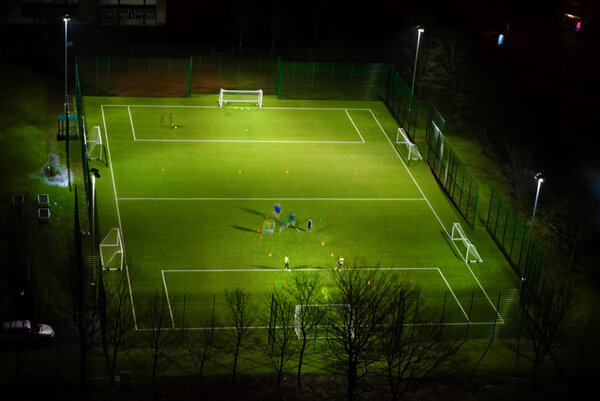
(244, 229)
(449, 242)
(251, 211)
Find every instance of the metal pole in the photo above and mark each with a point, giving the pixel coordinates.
(93, 212)
(540, 180)
(412, 87)
(67, 121)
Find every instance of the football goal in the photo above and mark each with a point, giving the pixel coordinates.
(319, 332)
(458, 235)
(93, 143)
(240, 96)
(111, 251)
(413, 151)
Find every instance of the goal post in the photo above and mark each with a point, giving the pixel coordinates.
(321, 332)
(413, 150)
(93, 143)
(112, 256)
(458, 235)
(240, 96)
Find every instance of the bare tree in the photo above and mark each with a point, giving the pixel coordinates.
(411, 350)
(362, 305)
(543, 324)
(116, 319)
(281, 348)
(304, 292)
(203, 346)
(160, 337)
(241, 319)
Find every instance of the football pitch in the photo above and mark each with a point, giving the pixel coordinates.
(190, 186)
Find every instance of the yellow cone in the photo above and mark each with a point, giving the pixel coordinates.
(269, 253)
(323, 243)
(331, 253)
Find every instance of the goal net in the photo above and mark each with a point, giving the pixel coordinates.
(310, 313)
(240, 96)
(458, 235)
(111, 250)
(93, 142)
(413, 151)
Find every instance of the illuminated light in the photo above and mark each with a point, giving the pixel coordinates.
(578, 26)
(500, 39)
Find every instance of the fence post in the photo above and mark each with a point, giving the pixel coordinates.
(512, 241)
(279, 78)
(190, 77)
(462, 186)
(487, 222)
(476, 205)
(469, 197)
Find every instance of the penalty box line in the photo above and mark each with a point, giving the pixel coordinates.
(299, 270)
(362, 140)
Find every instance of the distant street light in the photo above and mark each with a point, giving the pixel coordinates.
(420, 30)
(95, 174)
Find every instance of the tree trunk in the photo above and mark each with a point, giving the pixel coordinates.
(302, 349)
(351, 381)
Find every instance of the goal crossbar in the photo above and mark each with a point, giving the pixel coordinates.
(413, 150)
(297, 322)
(239, 98)
(458, 235)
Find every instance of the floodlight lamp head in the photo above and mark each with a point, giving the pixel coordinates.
(95, 172)
(538, 177)
(66, 18)
(420, 29)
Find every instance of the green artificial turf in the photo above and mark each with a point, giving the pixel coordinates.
(194, 198)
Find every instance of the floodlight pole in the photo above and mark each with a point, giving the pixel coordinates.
(420, 30)
(67, 122)
(540, 180)
(95, 174)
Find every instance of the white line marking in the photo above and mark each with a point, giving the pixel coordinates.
(217, 107)
(435, 214)
(112, 173)
(284, 271)
(168, 300)
(454, 295)
(131, 121)
(241, 141)
(274, 199)
(355, 127)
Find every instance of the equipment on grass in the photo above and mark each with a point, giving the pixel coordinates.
(112, 256)
(93, 143)
(240, 96)
(268, 227)
(413, 151)
(459, 235)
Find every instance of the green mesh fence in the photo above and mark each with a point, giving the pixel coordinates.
(318, 80)
(513, 240)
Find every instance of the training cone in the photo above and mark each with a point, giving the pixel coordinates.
(331, 253)
(269, 253)
(323, 243)
(261, 237)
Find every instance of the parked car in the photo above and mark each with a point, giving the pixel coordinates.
(25, 332)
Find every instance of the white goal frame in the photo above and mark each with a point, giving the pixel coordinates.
(257, 100)
(458, 235)
(93, 143)
(413, 151)
(113, 241)
(297, 323)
